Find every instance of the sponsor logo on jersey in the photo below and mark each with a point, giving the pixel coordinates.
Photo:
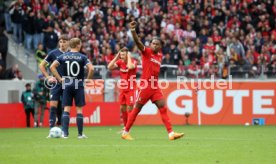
(155, 61)
(123, 70)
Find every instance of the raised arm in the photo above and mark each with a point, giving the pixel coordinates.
(112, 64)
(54, 71)
(136, 39)
(130, 64)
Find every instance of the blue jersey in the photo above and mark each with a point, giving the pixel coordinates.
(72, 65)
(52, 56)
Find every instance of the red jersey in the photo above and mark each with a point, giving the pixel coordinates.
(151, 65)
(127, 74)
(211, 48)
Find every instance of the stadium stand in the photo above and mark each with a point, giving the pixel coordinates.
(220, 37)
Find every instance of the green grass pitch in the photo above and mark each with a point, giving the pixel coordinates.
(205, 144)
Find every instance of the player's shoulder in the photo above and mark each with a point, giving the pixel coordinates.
(54, 51)
(82, 55)
(147, 50)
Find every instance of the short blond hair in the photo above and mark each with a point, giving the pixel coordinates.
(74, 42)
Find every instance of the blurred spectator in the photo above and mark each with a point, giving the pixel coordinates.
(40, 54)
(167, 60)
(29, 29)
(50, 39)
(236, 48)
(40, 93)
(133, 10)
(198, 29)
(28, 101)
(181, 69)
(193, 70)
(7, 16)
(38, 29)
(2, 68)
(13, 73)
(17, 13)
(3, 47)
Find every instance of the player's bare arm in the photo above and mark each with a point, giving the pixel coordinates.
(90, 69)
(130, 64)
(112, 64)
(54, 71)
(136, 39)
(42, 67)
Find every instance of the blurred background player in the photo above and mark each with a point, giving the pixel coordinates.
(40, 96)
(149, 90)
(71, 76)
(28, 101)
(128, 69)
(56, 91)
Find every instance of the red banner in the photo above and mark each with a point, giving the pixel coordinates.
(239, 105)
(94, 114)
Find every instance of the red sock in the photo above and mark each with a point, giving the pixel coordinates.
(165, 119)
(124, 115)
(131, 118)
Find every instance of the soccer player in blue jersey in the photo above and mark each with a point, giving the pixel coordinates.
(71, 76)
(56, 91)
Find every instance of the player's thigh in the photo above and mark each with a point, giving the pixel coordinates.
(79, 96)
(143, 96)
(122, 98)
(67, 98)
(130, 98)
(158, 99)
(56, 92)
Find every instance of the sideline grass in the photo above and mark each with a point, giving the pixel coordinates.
(205, 144)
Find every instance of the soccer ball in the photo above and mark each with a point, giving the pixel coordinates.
(55, 132)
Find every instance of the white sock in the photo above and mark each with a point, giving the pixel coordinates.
(171, 134)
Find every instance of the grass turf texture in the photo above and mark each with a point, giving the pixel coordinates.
(205, 144)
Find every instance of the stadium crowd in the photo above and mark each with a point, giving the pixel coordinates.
(202, 37)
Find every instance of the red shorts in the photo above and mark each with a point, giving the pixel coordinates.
(126, 97)
(144, 95)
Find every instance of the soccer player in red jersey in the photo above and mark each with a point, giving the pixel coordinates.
(128, 68)
(149, 90)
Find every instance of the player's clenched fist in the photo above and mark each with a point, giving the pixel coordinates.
(132, 25)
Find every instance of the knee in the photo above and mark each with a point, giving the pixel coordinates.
(160, 104)
(123, 108)
(138, 106)
(129, 108)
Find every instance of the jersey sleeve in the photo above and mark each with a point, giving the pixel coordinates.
(49, 58)
(59, 59)
(86, 61)
(147, 51)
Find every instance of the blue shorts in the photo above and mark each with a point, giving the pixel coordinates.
(70, 93)
(56, 93)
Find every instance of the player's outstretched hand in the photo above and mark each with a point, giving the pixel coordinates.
(132, 25)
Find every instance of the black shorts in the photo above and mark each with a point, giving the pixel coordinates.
(71, 93)
(56, 92)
